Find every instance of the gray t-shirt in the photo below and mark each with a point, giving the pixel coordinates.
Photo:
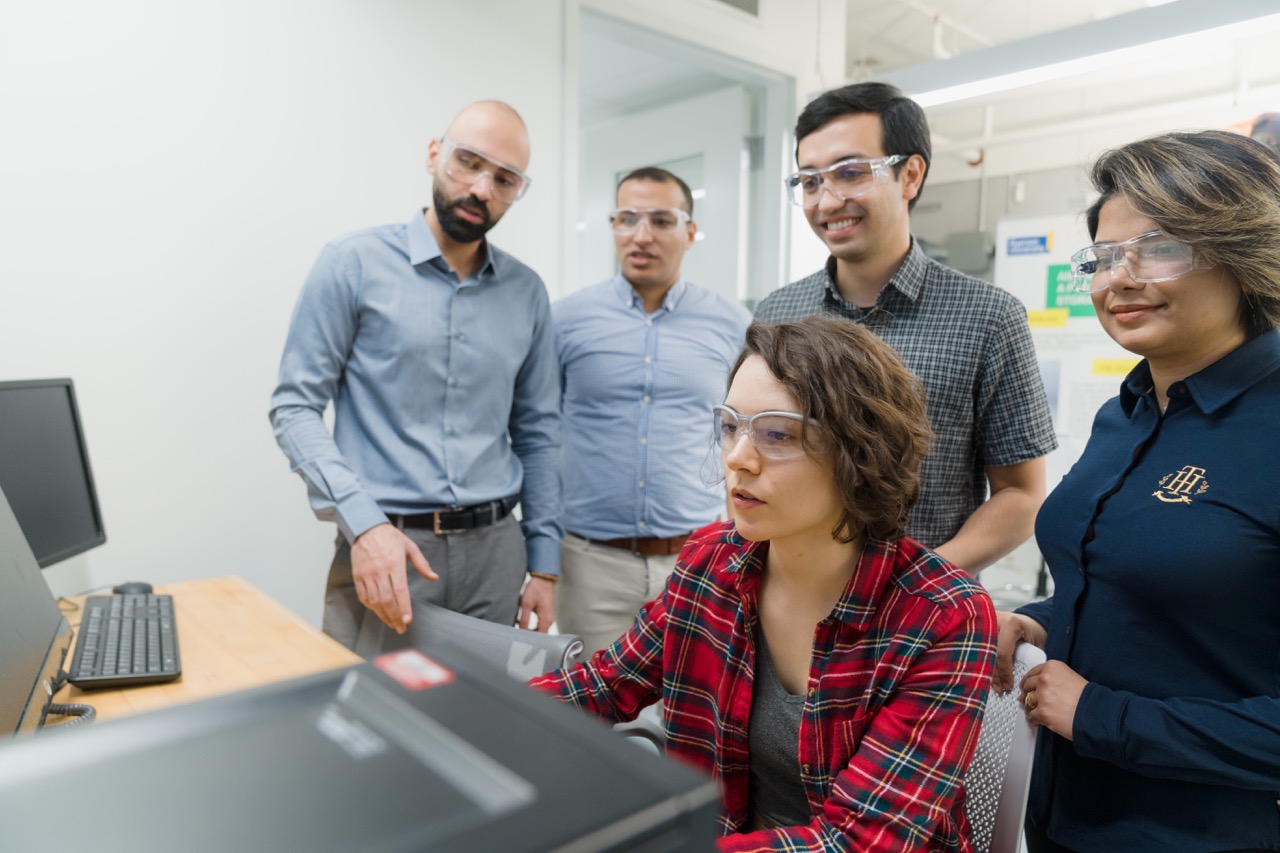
(777, 795)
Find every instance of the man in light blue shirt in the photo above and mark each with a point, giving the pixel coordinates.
(643, 358)
(437, 352)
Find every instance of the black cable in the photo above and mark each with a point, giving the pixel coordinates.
(58, 682)
(83, 714)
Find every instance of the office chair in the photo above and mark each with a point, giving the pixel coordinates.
(999, 775)
(646, 729)
(521, 654)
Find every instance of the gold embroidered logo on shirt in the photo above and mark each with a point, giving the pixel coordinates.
(1178, 488)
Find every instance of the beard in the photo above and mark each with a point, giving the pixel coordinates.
(454, 226)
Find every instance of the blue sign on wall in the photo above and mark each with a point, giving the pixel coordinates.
(1028, 245)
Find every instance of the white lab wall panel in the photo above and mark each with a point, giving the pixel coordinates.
(169, 172)
(712, 130)
(802, 39)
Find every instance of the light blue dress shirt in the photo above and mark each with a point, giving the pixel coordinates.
(638, 392)
(445, 392)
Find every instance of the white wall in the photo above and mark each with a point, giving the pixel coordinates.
(803, 39)
(168, 172)
(715, 124)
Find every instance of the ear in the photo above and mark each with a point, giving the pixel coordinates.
(912, 176)
(433, 155)
(692, 228)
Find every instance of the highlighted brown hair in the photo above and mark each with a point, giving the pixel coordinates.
(1216, 191)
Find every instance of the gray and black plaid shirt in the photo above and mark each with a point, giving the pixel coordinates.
(969, 343)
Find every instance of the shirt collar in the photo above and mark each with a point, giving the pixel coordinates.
(857, 605)
(908, 280)
(628, 296)
(423, 246)
(1218, 384)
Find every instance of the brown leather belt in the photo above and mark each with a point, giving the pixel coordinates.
(649, 546)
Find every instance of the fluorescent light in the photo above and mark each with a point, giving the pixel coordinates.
(1133, 37)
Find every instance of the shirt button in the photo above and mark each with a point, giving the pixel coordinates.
(640, 485)
(1068, 629)
(648, 359)
(644, 399)
(812, 691)
(648, 321)
(806, 768)
(640, 524)
(644, 441)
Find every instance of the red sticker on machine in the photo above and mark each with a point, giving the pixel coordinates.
(413, 670)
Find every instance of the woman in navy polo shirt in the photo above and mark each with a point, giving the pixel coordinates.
(1160, 702)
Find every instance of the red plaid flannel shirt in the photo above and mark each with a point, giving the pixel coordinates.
(900, 674)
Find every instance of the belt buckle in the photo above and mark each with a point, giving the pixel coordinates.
(445, 530)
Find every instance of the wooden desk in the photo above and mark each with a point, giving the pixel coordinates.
(231, 637)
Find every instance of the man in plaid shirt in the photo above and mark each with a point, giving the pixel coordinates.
(863, 152)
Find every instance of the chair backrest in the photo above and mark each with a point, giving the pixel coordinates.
(999, 776)
(646, 730)
(521, 654)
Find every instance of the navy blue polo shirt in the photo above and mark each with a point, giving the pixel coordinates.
(1164, 544)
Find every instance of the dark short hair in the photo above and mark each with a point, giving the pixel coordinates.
(903, 126)
(870, 410)
(659, 175)
(1216, 191)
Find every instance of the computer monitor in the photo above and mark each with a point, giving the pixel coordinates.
(405, 753)
(34, 635)
(44, 469)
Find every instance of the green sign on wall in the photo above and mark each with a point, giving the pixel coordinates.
(1060, 294)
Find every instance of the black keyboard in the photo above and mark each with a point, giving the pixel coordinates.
(126, 640)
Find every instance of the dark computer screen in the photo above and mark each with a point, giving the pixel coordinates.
(44, 469)
(360, 759)
(34, 635)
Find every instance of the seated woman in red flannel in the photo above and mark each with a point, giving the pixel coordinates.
(829, 672)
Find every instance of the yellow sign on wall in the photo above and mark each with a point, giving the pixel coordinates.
(1114, 366)
(1048, 318)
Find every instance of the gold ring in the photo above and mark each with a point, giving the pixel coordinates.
(1030, 700)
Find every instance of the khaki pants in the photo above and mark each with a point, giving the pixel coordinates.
(601, 589)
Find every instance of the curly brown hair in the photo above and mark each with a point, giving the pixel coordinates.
(870, 409)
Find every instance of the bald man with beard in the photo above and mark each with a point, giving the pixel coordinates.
(437, 353)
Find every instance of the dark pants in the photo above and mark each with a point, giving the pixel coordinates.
(1038, 841)
(481, 574)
